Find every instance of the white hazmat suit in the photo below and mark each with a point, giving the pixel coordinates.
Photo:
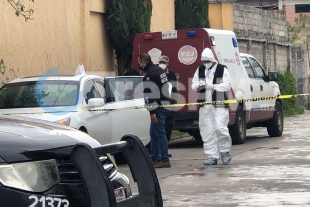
(213, 121)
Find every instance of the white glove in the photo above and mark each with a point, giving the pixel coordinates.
(209, 87)
(202, 83)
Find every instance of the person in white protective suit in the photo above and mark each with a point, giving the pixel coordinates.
(212, 81)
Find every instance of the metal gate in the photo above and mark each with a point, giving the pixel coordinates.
(299, 73)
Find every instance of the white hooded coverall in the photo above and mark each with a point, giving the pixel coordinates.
(213, 121)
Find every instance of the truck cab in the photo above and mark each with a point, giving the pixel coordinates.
(254, 90)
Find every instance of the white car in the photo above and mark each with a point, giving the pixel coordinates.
(105, 108)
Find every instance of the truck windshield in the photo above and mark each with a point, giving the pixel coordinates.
(48, 93)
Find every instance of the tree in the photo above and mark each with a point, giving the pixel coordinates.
(287, 84)
(124, 19)
(191, 14)
(300, 23)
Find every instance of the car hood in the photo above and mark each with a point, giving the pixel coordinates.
(51, 114)
(24, 139)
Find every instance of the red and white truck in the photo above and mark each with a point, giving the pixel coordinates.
(249, 79)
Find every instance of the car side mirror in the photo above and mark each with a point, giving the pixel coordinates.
(273, 76)
(95, 102)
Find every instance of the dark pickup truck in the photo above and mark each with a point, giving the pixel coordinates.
(45, 164)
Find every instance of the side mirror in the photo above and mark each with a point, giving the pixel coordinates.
(273, 76)
(95, 102)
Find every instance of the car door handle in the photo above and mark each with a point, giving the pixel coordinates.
(261, 87)
(251, 87)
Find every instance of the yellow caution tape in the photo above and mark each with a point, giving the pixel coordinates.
(180, 105)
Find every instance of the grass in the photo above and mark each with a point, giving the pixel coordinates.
(177, 133)
(293, 111)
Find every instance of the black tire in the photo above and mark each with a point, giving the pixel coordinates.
(275, 125)
(238, 130)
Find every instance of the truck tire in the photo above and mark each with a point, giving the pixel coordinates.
(238, 130)
(275, 125)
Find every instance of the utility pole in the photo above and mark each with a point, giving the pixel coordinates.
(280, 5)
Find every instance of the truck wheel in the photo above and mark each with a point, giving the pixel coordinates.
(275, 125)
(238, 130)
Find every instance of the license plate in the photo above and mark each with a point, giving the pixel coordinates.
(120, 194)
(169, 35)
(43, 201)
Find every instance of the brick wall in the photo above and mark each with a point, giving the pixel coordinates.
(260, 24)
(290, 13)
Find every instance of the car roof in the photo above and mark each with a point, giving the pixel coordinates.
(54, 77)
(65, 77)
(126, 76)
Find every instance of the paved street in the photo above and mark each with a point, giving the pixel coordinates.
(264, 171)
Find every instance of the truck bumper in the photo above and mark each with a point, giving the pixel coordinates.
(186, 121)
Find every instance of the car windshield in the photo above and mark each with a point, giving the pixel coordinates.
(48, 93)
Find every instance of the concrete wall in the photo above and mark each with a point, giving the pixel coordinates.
(257, 3)
(221, 15)
(67, 33)
(63, 34)
(163, 18)
(263, 34)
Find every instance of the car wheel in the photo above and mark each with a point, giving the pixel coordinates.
(275, 125)
(238, 130)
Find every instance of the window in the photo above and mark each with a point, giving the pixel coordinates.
(124, 88)
(90, 91)
(302, 8)
(247, 67)
(46, 93)
(259, 71)
(100, 85)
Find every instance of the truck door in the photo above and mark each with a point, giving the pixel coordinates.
(255, 88)
(184, 59)
(266, 106)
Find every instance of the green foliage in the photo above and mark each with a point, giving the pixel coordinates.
(287, 84)
(308, 105)
(191, 14)
(177, 133)
(124, 19)
(300, 23)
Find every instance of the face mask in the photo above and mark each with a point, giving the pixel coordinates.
(208, 65)
(163, 66)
